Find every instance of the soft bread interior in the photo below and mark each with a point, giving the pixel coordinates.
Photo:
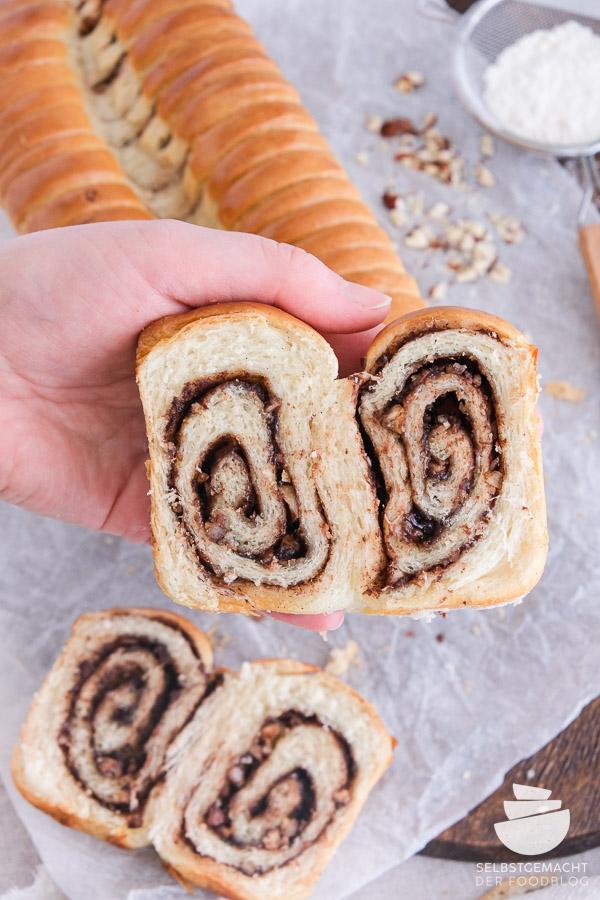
(317, 444)
(506, 561)
(422, 506)
(335, 746)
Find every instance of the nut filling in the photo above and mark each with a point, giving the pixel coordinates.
(432, 429)
(232, 491)
(133, 695)
(278, 797)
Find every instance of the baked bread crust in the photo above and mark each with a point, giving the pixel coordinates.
(425, 469)
(178, 110)
(307, 747)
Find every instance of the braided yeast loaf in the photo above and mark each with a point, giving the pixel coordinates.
(415, 485)
(244, 783)
(139, 108)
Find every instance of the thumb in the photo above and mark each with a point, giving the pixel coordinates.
(195, 266)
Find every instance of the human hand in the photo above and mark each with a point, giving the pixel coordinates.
(74, 300)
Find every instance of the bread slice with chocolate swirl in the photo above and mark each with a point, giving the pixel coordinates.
(450, 421)
(256, 811)
(244, 512)
(415, 485)
(94, 743)
(244, 783)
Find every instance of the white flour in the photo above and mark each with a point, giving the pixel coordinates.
(546, 86)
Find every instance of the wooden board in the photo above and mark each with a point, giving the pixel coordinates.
(569, 766)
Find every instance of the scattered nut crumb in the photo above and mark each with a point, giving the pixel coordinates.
(466, 274)
(484, 176)
(395, 127)
(438, 291)
(410, 633)
(390, 199)
(509, 229)
(415, 204)
(467, 247)
(398, 217)
(409, 82)
(218, 639)
(486, 146)
(342, 658)
(374, 123)
(362, 158)
(440, 638)
(418, 238)
(500, 273)
(438, 212)
(562, 390)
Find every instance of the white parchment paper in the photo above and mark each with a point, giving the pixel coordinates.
(502, 682)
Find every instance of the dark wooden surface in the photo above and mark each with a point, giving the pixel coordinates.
(569, 766)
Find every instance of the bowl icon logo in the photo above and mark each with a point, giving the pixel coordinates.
(535, 823)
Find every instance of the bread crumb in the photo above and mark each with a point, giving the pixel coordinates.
(409, 82)
(562, 390)
(483, 175)
(218, 639)
(343, 658)
(374, 123)
(438, 291)
(486, 146)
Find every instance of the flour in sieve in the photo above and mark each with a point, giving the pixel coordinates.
(546, 86)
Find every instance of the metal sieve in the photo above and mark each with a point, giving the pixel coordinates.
(487, 29)
(490, 27)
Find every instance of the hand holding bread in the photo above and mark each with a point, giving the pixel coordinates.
(72, 441)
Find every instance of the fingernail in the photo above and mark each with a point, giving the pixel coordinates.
(335, 620)
(366, 297)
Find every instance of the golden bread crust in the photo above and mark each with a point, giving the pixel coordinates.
(198, 119)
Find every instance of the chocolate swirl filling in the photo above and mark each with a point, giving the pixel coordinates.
(247, 513)
(434, 443)
(277, 798)
(134, 692)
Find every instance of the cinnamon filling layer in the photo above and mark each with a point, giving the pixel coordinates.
(239, 505)
(134, 693)
(277, 798)
(432, 431)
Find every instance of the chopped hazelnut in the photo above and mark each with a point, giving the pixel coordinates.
(409, 82)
